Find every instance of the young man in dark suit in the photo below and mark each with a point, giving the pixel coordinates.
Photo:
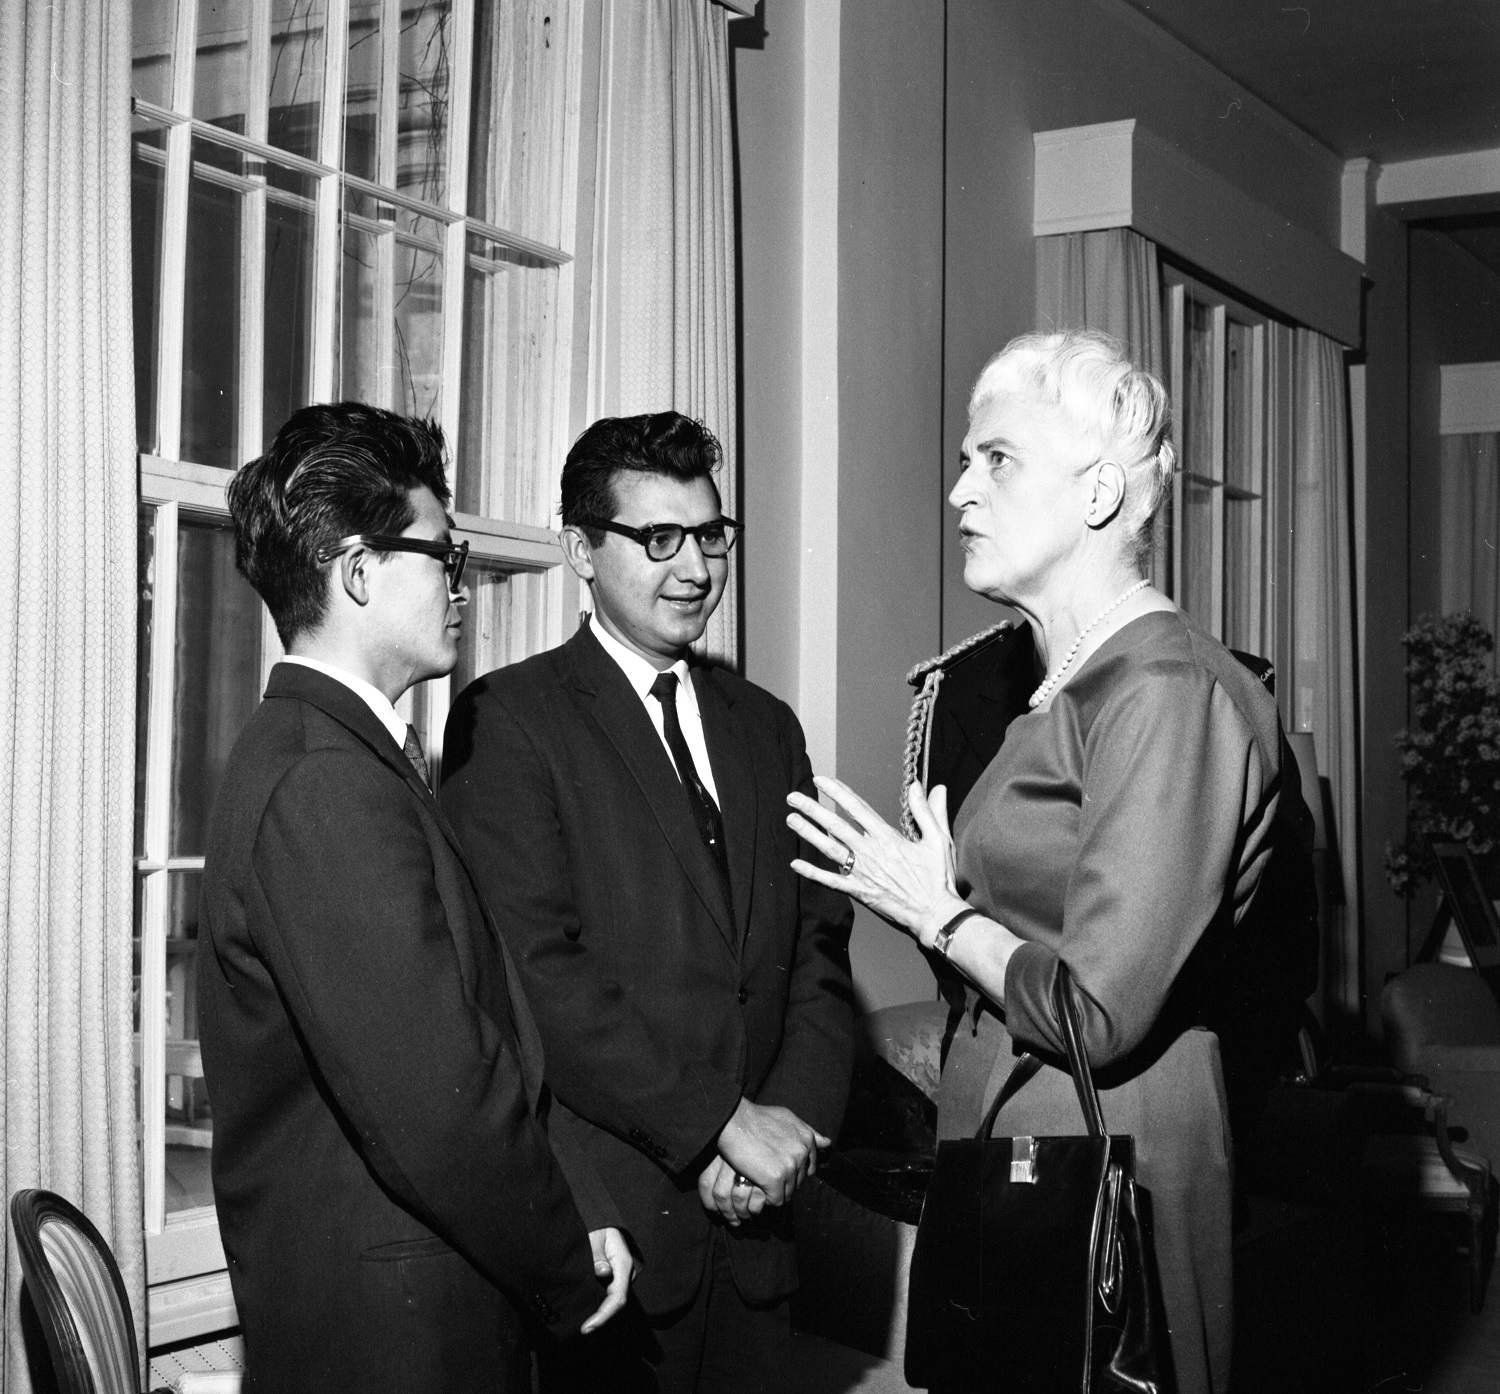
(391, 1209)
(626, 808)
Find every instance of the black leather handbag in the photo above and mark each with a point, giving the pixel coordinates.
(1033, 1270)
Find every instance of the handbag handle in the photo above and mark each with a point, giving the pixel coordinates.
(1078, 1063)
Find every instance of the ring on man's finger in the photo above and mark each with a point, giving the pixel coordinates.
(848, 865)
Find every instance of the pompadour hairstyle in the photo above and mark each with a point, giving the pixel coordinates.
(333, 470)
(1090, 379)
(665, 443)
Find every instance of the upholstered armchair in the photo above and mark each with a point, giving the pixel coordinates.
(1443, 1022)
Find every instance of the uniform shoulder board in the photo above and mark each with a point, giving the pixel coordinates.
(960, 650)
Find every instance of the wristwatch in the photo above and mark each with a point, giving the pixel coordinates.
(944, 940)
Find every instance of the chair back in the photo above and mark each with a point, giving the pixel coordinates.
(78, 1294)
(1432, 1004)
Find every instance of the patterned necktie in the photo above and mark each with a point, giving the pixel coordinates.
(412, 749)
(705, 810)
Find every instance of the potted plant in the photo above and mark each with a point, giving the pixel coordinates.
(1450, 755)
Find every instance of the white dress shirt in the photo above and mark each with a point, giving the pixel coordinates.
(372, 696)
(640, 675)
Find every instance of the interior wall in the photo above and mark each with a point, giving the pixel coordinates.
(767, 73)
(1015, 68)
(890, 416)
(1383, 660)
(1455, 318)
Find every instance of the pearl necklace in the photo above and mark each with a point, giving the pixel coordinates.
(1045, 690)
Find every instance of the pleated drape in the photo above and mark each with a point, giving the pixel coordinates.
(1471, 526)
(1106, 280)
(1324, 690)
(1110, 281)
(663, 333)
(67, 626)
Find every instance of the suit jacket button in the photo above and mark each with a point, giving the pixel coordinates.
(743, 996)
(543, 1309)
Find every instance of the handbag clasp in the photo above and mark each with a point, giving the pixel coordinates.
(1023, 1160)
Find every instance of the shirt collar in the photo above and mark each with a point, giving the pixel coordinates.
(639, 673)
(373, 697)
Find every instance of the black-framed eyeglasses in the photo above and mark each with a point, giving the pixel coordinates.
(453, 555)
(663, 541)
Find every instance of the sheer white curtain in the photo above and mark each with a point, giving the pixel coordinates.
(1105, 280)
(1471, 526)
(1323, 690)
(663, 290)
(67, 626)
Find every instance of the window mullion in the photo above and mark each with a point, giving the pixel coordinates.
(1260, 629)
(327, 248)
(155, 890)
(1219, 368)
(1176, 328)
(390, 93)
(455, 261)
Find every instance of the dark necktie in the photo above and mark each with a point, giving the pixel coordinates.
(412, 749)
(705, 810)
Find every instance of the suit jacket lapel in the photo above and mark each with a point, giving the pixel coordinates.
(734, 775)
(622, 717)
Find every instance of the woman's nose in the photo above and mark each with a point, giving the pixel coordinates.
(966, 489)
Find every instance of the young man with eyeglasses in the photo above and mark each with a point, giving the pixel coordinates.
(625, 808)
(392, 1210)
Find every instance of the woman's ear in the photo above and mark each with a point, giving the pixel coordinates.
(1108, 494)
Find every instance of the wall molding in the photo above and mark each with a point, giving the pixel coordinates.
(1467, 180)
(1119, 174)
(1471, 399)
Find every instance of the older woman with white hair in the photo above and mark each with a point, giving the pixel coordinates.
(1122, 828)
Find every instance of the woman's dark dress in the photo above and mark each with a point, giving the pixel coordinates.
(1125, 829)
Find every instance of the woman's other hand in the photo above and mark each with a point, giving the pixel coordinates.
(909, 884)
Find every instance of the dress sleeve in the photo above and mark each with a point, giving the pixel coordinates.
(1172, 778)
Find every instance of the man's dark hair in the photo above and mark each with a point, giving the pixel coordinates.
(332, 471)
(665, 442)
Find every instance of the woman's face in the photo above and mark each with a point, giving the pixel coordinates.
(1022, 497)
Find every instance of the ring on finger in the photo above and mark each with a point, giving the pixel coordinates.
(848, 865)
(740, 1179)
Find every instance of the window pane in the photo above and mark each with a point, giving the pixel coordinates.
(505, 620)
(145, 626)
(291, 228)
(218, 673)
(221, 75)
(392, 307)
(518, 115)
(1195, 566)
(1242, 487)
(422, 102)
(153, 22)
(211, 311)
(148, 165)
(189, 1125)
(299, 31)
(363, 75)
(506, 450)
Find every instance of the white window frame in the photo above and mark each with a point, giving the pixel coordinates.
(1269, 446)
(188, 1288)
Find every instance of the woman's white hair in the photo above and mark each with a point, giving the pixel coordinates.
(1090, 380)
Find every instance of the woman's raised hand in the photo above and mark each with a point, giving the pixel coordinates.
(909, 884)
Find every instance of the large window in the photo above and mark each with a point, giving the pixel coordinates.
(1217, 551)
(370, 199)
